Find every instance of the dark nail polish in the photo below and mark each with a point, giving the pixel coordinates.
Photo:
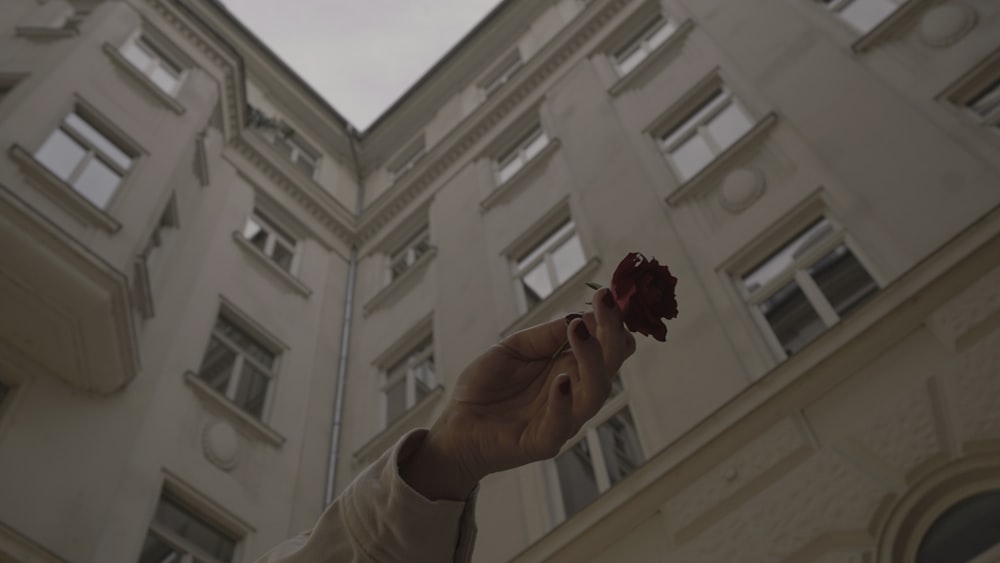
(564, 386)
(571, 316)
(581, 331)
(608, 300)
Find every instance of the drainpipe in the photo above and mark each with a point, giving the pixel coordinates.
(345, 336)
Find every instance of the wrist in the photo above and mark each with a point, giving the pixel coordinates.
(436, 471)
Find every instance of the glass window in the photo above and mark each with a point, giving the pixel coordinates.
(179, 535)
(807, 285)
(550, 263)
(270, 239)
(714, 126)
(643, 44)
(403, 258)
(238, 367)
(86, 159)
(862, 15)
(577, 481)
(304, 157)
(152, 62)
(409, 380)
(965, 532)
(984, 104)
(511, 162)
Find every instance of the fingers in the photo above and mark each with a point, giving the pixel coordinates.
(557, 422)
(594, 383)
(615, 339)
(537, 342)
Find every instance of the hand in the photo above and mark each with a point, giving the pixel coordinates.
(519, 402)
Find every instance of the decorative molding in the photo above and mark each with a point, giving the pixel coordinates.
(889, 25)
(944, 24)
(142, 288)
(397, 285)
(43, 32)
(249, 424)
(392, 433)
(115, 55)
(969, 315)
(62, 193)
(507, 188)
(740, 189)
(286, 277)
(221, 445)
(679, 35)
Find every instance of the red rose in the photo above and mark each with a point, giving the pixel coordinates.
(644, 291)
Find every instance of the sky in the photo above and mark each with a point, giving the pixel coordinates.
(360, 55)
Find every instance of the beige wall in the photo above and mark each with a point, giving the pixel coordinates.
(748, 456)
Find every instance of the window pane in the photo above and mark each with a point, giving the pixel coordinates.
(620, 445)
(693, 119)
(779, 262)
(843, 280)
(660, 34)
(691, 156)
(536, 146)
(61, 154)
(306, 165)
(987, 101)
(245, 343)
(537, 285)
(251, 391)
(135, 55)
(864, 15)
(506, 171)
(155, 550)
(964, 532)
(164, 79)
(97, 182)
(395, 400)
(628, 60)
(99, 141)
(728, 126)
(792, 318)
(568, 259)
(217, 365)
(282, 256)
(576, 478)
(207, 537)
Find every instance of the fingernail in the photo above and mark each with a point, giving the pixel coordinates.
(571, 316)
(564, 386)
(581, 331)
(608, 300)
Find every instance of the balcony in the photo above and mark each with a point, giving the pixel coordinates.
(66, 312)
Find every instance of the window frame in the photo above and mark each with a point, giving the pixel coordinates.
(640, 41)
(409, 253)
(797, 271)
(276, 234)
(991, 119)
(837, 7)
(236, 368)
(91, 152)
(298, 150)
(158, 59)
(416, 357)
(616, 404)
(543, 246)
(517, 153)
(189, 552)
(694, 122)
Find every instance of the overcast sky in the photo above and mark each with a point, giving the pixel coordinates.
(361, 55)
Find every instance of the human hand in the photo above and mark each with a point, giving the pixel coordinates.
(519, 402)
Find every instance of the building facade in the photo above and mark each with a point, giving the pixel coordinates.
(219, 301)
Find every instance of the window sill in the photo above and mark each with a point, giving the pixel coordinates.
(164, 97)
(142, 288)
(42, 32)
(288, 279)
(396, 286)
(629, 79)
(247, 422)
(392, 433)
(886, 26)
(541, 312)
(63, 193)
(505, 189)
(691, 185)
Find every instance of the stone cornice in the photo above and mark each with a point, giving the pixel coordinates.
(482, 121)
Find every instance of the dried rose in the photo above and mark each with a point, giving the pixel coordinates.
(644, 291)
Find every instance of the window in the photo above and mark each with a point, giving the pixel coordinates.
(153, 63)
(274, 242)
(239, 367)
(984, 104)
(705, 133)
(502, 75)
(167, 224)
(79, 154)
(807, 286)
(304, 157)
(862, 15)
(549, 264)
(178, 535)
(409, 380)
(643, 44)
(965, 533)
(406, 256)
(527, 148)
(604, 456)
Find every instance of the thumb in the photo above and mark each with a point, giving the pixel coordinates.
(557, 422)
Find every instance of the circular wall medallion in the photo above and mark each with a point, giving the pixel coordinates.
(741, 188)
(945, 24)
(221, 444)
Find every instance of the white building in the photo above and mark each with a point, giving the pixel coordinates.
(218, 301)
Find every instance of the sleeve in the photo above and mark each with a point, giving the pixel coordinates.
(379, 518)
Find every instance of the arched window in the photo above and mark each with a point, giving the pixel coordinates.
(964, 532)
